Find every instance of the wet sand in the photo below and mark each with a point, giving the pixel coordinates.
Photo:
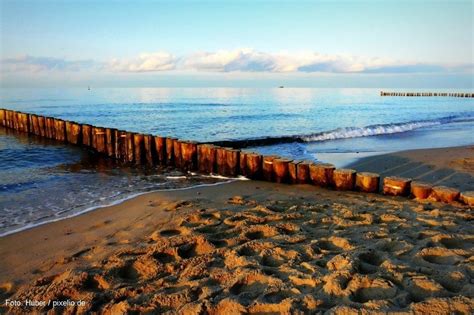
(249, 246)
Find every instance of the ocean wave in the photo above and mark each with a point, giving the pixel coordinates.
(381, 129)
(347, 132)
(375, 130)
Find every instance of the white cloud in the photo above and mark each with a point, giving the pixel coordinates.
(28, 63)
(238, 60)
(159, 61)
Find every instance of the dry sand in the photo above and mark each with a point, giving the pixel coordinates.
(249, 247)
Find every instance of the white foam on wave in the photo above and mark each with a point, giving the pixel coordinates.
(375, 130)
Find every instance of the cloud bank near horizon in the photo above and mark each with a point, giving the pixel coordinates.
(228, 61)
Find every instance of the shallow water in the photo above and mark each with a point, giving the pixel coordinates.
(41, 180)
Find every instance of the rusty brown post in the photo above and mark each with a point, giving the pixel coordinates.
(396, 186)
(87, 135)
(120, 145)
(280, 170)
(149, 149)
(98, 139)
(189, 155)
(73, 132)
(42, 126)
(110, 142)
(177, 155)
(170, 151)
(34, 125)
(160, 147)
(232, 162)
(221, 161)
(59, 130)
(2, 117)
(16, 125)
(267, 168)
(367, 182)
(344, 179)
(138, 145)
(420, 190)
(50, 128)
(321, 174)
(303, 172)
(293, 171)
(254, 166)
(129, 147)
(206, 158)
(445, 194)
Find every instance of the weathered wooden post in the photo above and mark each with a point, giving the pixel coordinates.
(420, 190)
(396, 186)
(232, 162)
(87, 135)
(12, 119)
(24, 122)
(220, 161)
(467, 197)
(206, 158)
(344, 179)
(73, 132)
(254, 166)
(120, 145)
(16, 124)
(2, 117)
(177, 155)
(42, 126)
(138, 147)
(110, 142)
(243, 163)
(160, 147)
(303, 172)
(34, 125)
(50, 128)
(281, 171)
(293, 171)
(130, 147)
(60, 130)
(321, 174)
(149, 149)
(170, 151)
(189, 155)
(267, 167)
(445, 194)
(98, 139)
(367, 182)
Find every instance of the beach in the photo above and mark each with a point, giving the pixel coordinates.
(256, 247)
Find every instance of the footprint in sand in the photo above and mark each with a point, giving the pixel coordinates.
(440, 256)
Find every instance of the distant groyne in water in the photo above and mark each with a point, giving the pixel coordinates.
(152, 150)
(426, 94)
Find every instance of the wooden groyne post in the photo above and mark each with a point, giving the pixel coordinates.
(427, 94)
(150, 150)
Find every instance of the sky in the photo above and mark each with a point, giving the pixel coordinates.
(376, 43)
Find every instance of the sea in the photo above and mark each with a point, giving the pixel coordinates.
(43, 181)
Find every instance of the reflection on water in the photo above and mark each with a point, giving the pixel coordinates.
(41, 180)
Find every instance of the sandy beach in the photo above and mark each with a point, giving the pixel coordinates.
(251, 247)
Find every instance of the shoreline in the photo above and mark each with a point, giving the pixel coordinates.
(372, 160)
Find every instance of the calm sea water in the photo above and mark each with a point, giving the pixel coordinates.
(41, 180)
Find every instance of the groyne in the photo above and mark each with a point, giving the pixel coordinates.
(426, 94)
(189, 156)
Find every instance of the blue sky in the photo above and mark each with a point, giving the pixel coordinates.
(237, 43)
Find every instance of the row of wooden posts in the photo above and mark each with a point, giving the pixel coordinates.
(382, 93)
(150, 150)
